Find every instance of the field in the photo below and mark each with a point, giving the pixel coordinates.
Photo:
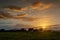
(29, 35)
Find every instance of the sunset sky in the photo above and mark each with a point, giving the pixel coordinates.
(29, 13)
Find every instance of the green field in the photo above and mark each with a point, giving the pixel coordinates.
(29, 35)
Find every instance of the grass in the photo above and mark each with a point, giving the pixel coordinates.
(29, 35)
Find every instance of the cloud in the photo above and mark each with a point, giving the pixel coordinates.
(1, 16)
(41, 6)
(36, 5)
(5, 15)
(14, 9)
(22, 15)
(27, 18)
(23, 26)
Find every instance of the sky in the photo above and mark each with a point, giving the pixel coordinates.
(29, 13)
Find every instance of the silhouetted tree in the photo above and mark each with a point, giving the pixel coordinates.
(36, 30)
(40, 29)
(2, 30)
(30, 29)
(22, 29)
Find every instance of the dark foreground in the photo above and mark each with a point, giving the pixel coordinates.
(29, 35)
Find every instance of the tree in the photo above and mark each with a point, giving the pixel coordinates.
(2, 30)
(22, 29)
(30, 29)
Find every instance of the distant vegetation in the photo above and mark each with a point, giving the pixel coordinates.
(30, 34)
(23, 29)
(18, 30)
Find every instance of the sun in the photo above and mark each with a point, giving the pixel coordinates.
(44, 26)
(44, 22)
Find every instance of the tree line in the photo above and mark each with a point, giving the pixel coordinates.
(20, 30)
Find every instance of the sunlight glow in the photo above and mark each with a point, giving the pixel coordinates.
(44, 22)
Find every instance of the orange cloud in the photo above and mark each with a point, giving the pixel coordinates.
(1, 16)
(41, 6)
(19, 10)
(29, 19)
(25, 17)
(15, 9)
(22, 15)
(5, 15)
(36, 5)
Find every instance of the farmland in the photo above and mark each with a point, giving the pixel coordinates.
(30, 35)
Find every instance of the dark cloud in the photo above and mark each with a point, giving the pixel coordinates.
(5, 15)
(20, 5)
(24, 3)
(1, 16)
(24, 17)
(35, 5)
(14, 8)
